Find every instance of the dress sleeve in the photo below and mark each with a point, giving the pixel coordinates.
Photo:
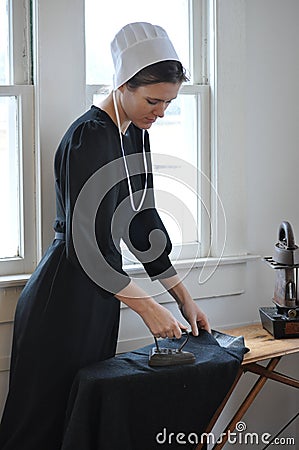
(90, 197)
(149, 241)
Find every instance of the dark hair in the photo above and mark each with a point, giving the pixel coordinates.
(169, 71)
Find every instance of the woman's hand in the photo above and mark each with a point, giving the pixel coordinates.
(195, 316)
(189, 309)
(158, 319)
(161, 322)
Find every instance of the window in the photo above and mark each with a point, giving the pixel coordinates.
(17, 237)
(180, 141)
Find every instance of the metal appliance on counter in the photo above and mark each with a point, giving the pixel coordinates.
(282, 320)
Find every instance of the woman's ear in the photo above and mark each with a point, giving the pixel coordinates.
(121, 88)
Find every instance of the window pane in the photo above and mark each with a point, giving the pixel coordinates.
(175, 176)
(103, 22)
(176, 136)
(4, 43)
(9, 179)
(174, 148)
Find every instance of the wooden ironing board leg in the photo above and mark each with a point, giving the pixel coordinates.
(263, 347)
(246, 404)
(202, 446)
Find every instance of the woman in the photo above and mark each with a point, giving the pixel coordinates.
(68, 314)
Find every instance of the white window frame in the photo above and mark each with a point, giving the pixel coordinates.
(199, 87)
(60, 97)
(23, 91)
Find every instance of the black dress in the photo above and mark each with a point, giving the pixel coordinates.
(67, 316)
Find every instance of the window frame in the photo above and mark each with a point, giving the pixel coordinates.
(199, 87)
(21, 87)
(60, 97)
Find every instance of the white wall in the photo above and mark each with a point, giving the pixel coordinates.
(8, 299)
(60, 88)
(272, 161)
(258, 116)
(272, 117)
(258, 161)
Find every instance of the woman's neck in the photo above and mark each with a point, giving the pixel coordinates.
(107, 105)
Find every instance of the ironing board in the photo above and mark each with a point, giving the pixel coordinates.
(262, 347)
(124, 403)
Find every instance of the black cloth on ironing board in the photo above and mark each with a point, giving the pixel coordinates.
(124, 403)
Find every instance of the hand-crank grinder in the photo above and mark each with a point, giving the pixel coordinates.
(282, 320)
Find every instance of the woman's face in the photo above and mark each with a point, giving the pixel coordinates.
(143, 105)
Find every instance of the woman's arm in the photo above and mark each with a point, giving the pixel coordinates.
(158, 319)
(189, 309)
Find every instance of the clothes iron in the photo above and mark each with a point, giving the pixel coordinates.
(282, 320)
(167, 356)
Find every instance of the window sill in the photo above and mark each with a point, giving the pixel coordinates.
(7, 281)
(135, 269)
(205, 278)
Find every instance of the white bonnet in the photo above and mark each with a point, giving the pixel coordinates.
(136, 46)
